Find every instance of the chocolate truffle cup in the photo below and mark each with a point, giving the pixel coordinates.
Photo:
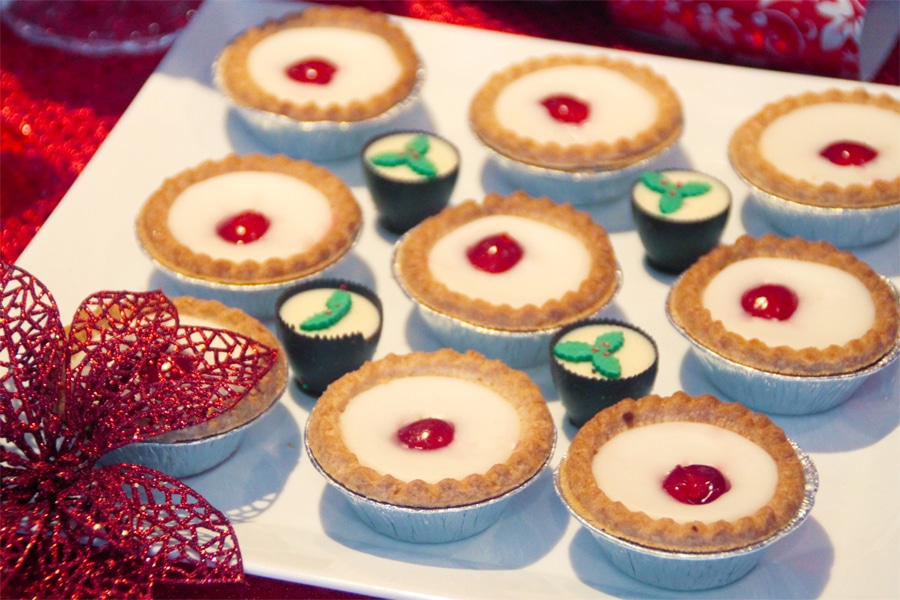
(318, 360)
(674, 243)
(403, 196)
(583, 396)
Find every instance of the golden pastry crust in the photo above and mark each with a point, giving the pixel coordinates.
(580, 490)
(237, 82)
(743, 151)
(685, 306)
(537, 433)
(595, 292)
(263, 395)
(157, 239)
(599, 156)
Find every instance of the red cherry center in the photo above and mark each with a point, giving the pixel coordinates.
(695, 484)
(243, 228)
(770, 301)
(495, 253)
(426, 434)
(566, 109)
(312, 70)
(846, 153)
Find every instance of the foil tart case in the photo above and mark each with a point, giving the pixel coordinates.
(428, 525)
(686, 571)
(518, 349)
(843, 227)
(317, 140)
(775, 393)
(575, 187)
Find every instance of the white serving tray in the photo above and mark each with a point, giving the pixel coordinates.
(290, 526)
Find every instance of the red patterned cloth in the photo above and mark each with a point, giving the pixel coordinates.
(57, 108)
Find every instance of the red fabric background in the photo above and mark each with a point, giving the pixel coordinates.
(57, 108)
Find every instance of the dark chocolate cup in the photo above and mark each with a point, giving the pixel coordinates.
(404, 204)
(672, 246)
(583, 397)
(318, 361)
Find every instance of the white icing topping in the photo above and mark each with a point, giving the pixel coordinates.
(363, 316)
(834, 306)
(441, 153)
(631, 467)
(366, 64)
(636, 355)
(619, 107)
(793, 142)
(553, 262)
(694, 208)
(299, 215)
(486, 427)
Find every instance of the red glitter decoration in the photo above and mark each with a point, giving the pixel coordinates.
(126, 371)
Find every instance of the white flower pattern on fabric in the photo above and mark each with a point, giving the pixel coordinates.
(846, 21)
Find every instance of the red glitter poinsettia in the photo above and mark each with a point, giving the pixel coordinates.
(124, 372)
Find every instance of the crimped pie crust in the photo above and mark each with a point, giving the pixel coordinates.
(260, 397)
(240, 86)
(580, 490)
(536, 441)
(156, 238)
(600, 156)
(411, 265)
(686, 308)
(743, 150)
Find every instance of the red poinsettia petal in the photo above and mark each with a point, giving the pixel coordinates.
(32, 362)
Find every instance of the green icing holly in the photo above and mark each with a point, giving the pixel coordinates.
(672, 193)
(599, 354)
(336, 308)
(413, 155)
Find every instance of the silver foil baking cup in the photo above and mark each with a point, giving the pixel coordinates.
(427, 525)
(255, 299)
(518, 349)
(183, 459)
(575, 187)
(688, 571)
(776, 393)
(843, 227)
(317, 140)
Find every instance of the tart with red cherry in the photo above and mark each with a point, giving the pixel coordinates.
(787, 306)
(249, 220)
(514, 264)
(683, 473)
(831, 149)
(326, 63)
(577, 113)
(431, 430)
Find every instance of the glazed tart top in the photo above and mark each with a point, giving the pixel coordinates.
(431, 429)
(627, 473)
(577, 113)
(323, 64)
(831, 149)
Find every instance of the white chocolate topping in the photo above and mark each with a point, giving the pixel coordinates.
(441, 153)
(619, 107)
(486, 427)
(553, 262)
(636, 355)
(366, 64)
(834, 306)
(363, 317)
(631, 467)
(793, 142)
(694, 208)
(299, 215)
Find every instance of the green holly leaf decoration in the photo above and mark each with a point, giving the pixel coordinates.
(336, 308)
(599, 354)
(573, 351)
(672, 194)
(607, 365)
(413, 156)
